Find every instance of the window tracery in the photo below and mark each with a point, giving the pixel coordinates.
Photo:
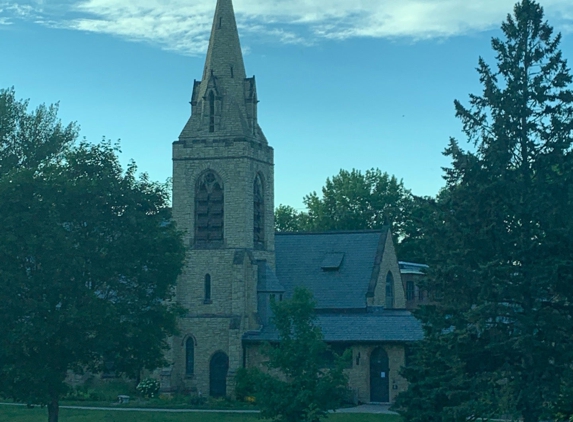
(209, 208)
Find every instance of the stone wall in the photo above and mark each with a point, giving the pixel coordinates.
(359, 373)
(389, 263)
(219, 323)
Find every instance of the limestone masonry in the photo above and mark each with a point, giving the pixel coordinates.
(223, 199)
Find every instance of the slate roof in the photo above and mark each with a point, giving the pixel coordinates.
(382, 326)
(267, 280)
(299, 257)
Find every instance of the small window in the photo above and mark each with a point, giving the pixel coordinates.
(207, 289)
(258, 213)
(389, 290)
(190, 356)
(410, 290)
(232, 72)
(220, 22)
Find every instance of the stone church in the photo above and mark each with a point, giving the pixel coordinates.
(223, 194)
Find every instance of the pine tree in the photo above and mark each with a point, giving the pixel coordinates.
(502, 253)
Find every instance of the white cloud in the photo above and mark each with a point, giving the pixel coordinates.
(184, 25)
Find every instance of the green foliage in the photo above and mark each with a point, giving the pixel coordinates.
(148, 388)
(30, 139)
(287, 219)
(19, 414)
(498, 337)
(88, 263)
(350, 201)
(97, 390)
(299, 387)
(246, 383)
(563, 408)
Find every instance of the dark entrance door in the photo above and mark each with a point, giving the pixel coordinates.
(218, 369)
(379, 380)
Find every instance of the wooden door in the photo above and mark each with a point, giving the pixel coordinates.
(218, 369)
(379, 376)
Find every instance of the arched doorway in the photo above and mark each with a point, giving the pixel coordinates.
(379, 376)
(218, 369)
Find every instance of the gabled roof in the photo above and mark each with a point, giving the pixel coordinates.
(386, 326)
(300, 258)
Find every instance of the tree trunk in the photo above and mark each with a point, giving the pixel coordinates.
(53, 410)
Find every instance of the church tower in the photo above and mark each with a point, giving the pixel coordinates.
(223, 201)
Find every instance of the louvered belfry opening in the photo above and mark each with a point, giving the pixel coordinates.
(209, 201)
(259, 213)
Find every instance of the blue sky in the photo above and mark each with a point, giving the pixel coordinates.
(355, 84)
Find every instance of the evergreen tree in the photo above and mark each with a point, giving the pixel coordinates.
(501, 254)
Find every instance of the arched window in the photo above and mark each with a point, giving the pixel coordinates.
(209, 210)
(190, 356)
(207, 298)
(258, 213)
(389, 290)
(211, 112)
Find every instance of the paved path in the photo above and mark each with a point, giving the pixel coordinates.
(364, 408)
(368, 408)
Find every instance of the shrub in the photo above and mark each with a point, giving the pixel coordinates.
(246, 383)
(148, 388)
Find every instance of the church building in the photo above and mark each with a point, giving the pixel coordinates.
(223, 199)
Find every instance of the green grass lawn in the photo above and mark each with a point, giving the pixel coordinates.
(22, 414)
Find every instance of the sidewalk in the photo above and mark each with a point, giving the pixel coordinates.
(368, 408)
(364, 408)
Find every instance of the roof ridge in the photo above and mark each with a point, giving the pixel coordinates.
(381, 230)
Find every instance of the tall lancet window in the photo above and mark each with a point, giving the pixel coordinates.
(258, 213)
(209, 210)
(211, 112)
(189, 356)
(207, 298)
(389, 291)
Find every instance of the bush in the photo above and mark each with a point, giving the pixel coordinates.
(246, 383)
(148, 388)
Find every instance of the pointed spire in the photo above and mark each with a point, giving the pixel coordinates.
(224, 57)
(224, 103)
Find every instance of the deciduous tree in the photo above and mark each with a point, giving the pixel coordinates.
(352, 200)
(300, 386)
(88, 261)
(30, 139)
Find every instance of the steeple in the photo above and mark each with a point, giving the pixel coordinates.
(224, 103)
(224, 55)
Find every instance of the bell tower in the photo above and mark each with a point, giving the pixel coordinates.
(223, 193)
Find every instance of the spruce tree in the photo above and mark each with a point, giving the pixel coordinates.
(500, 330)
